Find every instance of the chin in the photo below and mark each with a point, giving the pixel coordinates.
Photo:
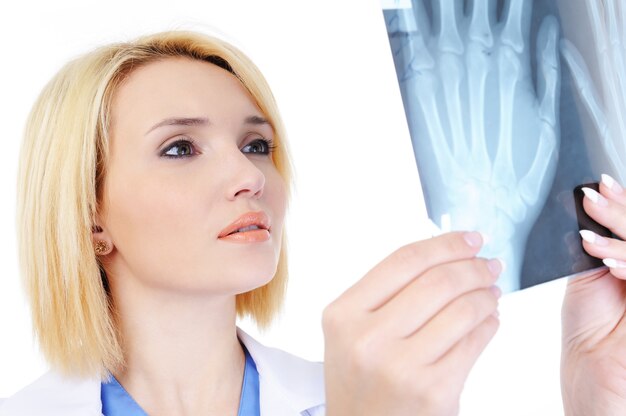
(235, 279)
(253, 280)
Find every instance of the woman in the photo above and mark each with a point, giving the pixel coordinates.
(153, 187)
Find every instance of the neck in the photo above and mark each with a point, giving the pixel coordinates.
(181, 350)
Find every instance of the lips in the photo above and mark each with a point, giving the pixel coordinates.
(250, 227)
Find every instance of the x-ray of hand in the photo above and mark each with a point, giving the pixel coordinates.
(486, 140)
(605, 101)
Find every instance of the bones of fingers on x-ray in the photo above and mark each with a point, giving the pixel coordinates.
(485, 138)
(605, 101)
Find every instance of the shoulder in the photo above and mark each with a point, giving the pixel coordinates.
(54, 395)
(288, 384)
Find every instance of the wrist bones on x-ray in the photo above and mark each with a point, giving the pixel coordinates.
(485, 141)
(608, 24)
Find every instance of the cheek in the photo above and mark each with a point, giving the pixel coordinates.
(275, 197)
(158, 222)
(278, 194)
(150, 205)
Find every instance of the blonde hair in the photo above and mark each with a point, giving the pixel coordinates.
(62, 168)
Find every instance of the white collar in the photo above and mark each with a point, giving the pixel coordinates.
(288, 386)
(54, 394)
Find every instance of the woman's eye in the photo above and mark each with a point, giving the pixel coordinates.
(259, 146)
(179, 149)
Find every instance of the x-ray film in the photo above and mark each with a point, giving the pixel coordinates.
(512, 105)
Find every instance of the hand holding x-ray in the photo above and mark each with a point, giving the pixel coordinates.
(605, 101)
(486, 140)
(593, 366)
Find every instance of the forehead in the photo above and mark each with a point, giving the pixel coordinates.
(180, 87)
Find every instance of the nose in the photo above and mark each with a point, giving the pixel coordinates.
(247, 179)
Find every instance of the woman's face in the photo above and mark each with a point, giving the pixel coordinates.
(190, 165)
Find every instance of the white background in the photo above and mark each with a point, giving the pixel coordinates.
(357, 190)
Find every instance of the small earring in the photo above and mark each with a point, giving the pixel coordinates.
(101, 247)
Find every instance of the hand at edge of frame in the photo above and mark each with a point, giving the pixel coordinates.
(593, 358)
(403, 339)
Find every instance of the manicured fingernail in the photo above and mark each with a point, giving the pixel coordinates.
(595, 197)
(495, 266)
(593, 238)
(614, 264)
(473, 239)
(496, 291)
(611, 183)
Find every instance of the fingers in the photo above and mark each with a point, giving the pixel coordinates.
(609, 70)
(369, 369)
(542, 168)
(399, 41)
(482, 18)
(549, 75)
(433, 291)
(447, 14)
(415, 22)
(403, 266)
(614, 58)
(587, 91)
(548, 93)
(421, 18)
(612, 189)
(621, 7)
(611, 251)
(454, 323)
(604, 18)
(462, 357)
(607, 207)
(482, 15)
(612, 16)
(517, 24)
(597, 26)
(408, 45)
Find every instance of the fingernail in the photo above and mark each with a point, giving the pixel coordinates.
(495, 266)
(614, 264)
(496, 291)
(593, 238)
(611, 183)
(595, 197)
(473, 239)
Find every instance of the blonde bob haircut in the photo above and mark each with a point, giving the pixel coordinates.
(62, 167)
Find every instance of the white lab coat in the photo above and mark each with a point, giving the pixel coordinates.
(288, 386)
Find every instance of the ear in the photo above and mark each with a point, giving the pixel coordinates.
(102, 241)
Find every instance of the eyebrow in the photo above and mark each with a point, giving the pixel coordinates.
(256, 120)
(180, 121)
(201, 121)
